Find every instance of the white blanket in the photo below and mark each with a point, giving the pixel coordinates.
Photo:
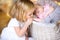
(43, 31)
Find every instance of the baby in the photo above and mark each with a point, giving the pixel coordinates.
(39, 13)
(42, 12)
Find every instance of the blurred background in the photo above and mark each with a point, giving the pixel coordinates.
(5, 6)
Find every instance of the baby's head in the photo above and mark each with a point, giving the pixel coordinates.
(24, 9)
(39, 10)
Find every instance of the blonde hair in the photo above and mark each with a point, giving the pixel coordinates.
(19, 9)
(38, 6)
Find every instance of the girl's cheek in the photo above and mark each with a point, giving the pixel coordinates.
(28, 17)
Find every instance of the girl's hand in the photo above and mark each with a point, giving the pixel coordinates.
(29, 21)
(37, 19)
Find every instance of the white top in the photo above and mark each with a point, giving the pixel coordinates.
(9, 32)
(13, 23)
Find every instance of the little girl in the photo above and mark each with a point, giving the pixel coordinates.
(21, 13)
(41, 12)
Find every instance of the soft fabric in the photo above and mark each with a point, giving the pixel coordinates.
(9, 33)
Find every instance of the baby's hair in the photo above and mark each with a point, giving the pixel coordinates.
(36, 6)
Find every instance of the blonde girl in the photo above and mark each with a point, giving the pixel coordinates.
(21, 17)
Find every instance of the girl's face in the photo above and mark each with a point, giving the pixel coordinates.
(39, 10)
(30, 13)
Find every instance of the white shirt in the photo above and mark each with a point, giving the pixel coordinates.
(9, 32)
